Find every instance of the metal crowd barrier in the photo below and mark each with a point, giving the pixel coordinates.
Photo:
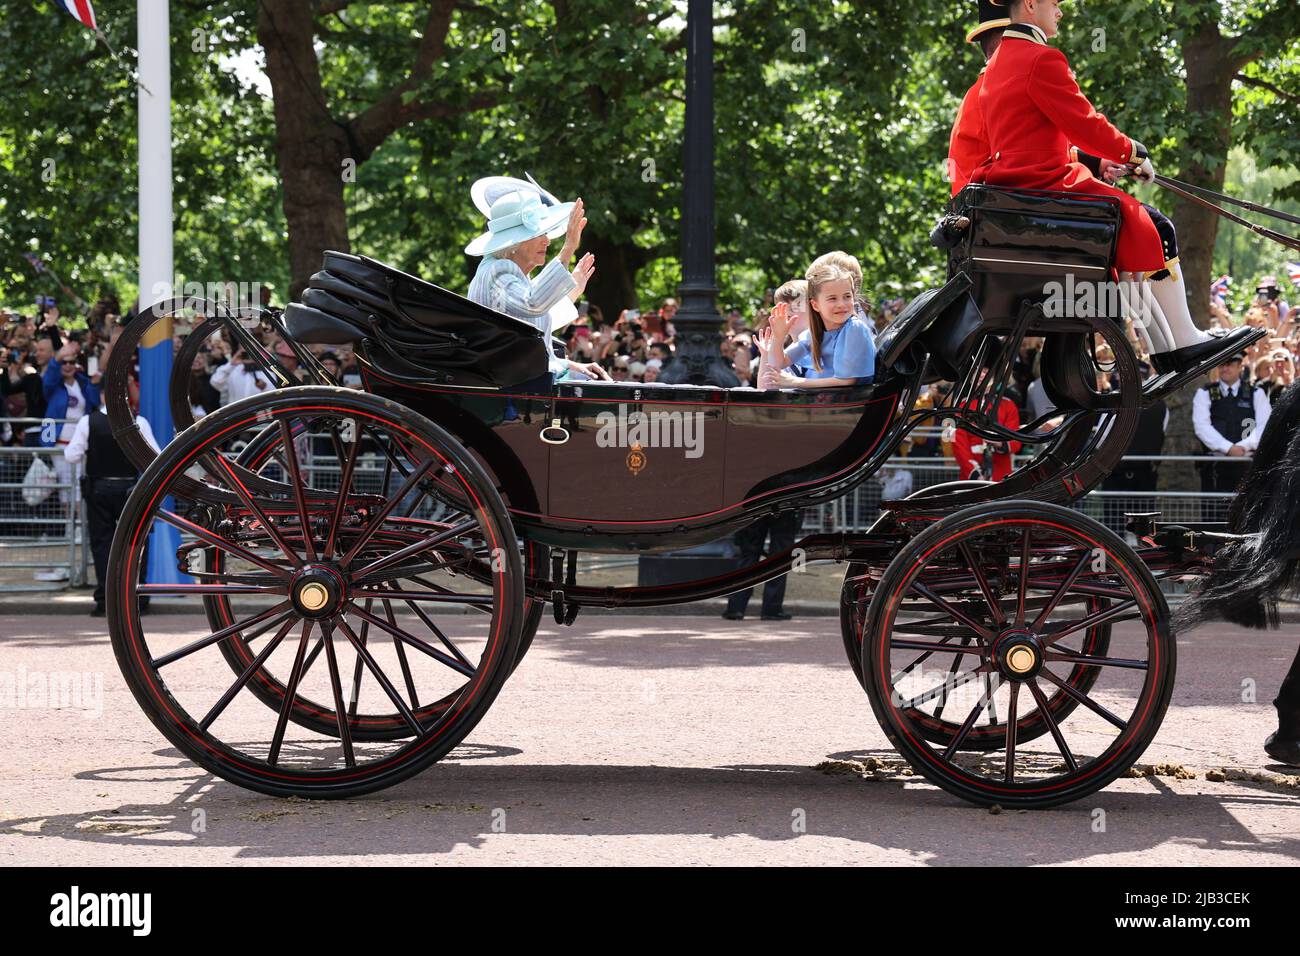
(43, 545)
(902, 476)
(51, 537)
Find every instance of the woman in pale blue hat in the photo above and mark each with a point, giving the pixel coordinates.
(521, 224)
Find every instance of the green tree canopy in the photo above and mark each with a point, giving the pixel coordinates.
(832, 122)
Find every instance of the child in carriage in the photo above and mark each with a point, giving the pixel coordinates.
(839, 345)
(792, 298)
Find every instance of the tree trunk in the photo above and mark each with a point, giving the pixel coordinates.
(310, 146)
(1210, 69)
(613, 286)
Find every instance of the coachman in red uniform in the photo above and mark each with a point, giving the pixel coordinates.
(968, 145)
(1034, 117)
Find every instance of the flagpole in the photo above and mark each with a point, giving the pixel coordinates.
(81, 303)
(153, 40)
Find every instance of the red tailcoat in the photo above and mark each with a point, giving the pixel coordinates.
(963, 441)
(1032, 110)
(968, 146)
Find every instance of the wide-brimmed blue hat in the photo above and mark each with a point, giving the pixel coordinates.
(489, 189)
(516, 217)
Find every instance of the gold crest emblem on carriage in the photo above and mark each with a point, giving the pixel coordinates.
(636, 459)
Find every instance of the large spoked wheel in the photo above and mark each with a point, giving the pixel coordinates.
(265, 457)
(941, 724)
(377, 616)
(985, 621)
(324, 456)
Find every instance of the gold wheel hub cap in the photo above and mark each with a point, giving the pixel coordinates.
(313, 596)
(1020, 660)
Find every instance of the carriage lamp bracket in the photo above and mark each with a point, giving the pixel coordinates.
(566, 611)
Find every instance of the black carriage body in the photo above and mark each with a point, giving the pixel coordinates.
(654, 467)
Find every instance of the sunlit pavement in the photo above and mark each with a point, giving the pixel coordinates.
(640, 739)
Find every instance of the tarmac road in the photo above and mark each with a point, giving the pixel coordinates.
(639, 740)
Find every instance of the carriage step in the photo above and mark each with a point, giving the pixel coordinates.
(1202, 536)
(1165, 385)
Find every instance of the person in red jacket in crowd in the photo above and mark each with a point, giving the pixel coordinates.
(977, 457)
(1032, 112)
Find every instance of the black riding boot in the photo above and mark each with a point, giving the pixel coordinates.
(1284, 744)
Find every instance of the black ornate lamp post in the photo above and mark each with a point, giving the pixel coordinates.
(697, 359)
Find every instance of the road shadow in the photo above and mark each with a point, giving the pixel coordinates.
(476, 795)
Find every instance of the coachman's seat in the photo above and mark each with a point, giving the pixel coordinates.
(1010, 246)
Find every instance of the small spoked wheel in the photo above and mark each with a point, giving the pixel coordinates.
(360, 618)
(1018, 653)
(938, 725)
(860, 581)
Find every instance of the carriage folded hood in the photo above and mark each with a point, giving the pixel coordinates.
(448, 337)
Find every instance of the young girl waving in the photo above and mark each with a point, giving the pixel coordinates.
(839, 347)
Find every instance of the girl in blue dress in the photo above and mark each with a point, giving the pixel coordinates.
(839, 347)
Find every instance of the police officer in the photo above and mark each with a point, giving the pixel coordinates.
(108, 480)
(1228, 416)
(1148, 439)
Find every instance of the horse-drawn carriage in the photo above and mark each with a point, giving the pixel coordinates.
(412, 534)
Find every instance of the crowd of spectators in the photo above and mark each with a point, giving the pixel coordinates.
(53, 366)
(51, 371)
(634, 347)
(637, 346)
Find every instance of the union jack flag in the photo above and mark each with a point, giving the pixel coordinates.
(34, 261)
(1219, 289)
(80, 10)
(1293, 270)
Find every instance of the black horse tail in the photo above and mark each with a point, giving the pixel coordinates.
(1251, 574)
